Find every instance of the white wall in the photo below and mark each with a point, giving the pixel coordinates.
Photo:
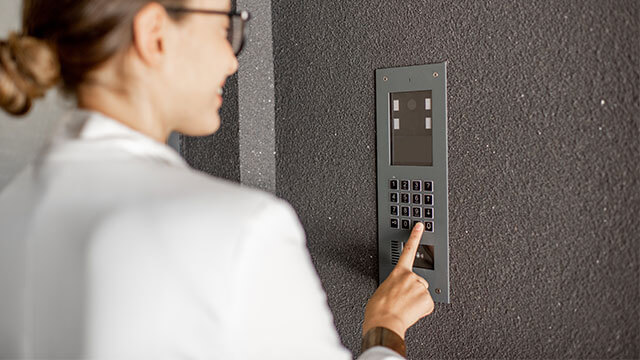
(20, 138)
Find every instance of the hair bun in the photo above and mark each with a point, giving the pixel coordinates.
(28, 68)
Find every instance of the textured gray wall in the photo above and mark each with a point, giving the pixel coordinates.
(543, 151)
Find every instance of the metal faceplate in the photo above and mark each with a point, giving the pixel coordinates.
(411, 105)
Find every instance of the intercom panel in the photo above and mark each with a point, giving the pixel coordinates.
(411, 116)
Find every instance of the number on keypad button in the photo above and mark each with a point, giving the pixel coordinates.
(428, 226)
(393, 184)
(428, 186)
(405, 224)
(416, 185)
(404, 185)
(428, 199)
(416, 212)
(394, 210)
(428, 213)
(393, 197)
(404, 198)
(405, 211)
(416, 199)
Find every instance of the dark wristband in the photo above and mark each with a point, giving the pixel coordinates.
(380, 336)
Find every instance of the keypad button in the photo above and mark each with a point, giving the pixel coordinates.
(394, 210)
(428, 186)
(405, 211)
(394, 223)
(428, 226)
(405, 224)
(393, 184)
(415, 222)
(428, 199)
(416, 212)
(393, 197)
(404, 198)
(416, 185)
(404, 185)
(416, 199)
(428, 213)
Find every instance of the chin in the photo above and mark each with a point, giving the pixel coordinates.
(202, 126)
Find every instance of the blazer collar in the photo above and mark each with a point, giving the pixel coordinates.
(82, 127)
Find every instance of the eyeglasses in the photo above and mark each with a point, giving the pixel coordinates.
(237, 20)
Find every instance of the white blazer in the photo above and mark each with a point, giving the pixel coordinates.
(112, 247)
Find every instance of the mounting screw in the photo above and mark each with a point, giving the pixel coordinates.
(435, 74)
(384, 78)
(438, 291)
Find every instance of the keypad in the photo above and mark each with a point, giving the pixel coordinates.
(416, 201)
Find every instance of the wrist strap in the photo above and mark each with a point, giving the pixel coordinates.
(380, 336)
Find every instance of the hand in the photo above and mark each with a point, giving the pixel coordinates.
(403, 298)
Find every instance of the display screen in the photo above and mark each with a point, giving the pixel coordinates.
(411, 128)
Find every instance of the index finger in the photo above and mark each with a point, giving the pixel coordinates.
(411, 247)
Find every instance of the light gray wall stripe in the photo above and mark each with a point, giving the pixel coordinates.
(257, 100)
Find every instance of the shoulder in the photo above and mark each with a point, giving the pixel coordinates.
(194, 192)
(200, 234)
(181, 203)
(191, 199)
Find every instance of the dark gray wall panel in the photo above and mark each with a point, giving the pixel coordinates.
(543, 150)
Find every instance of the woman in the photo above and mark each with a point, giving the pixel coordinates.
(112, 247)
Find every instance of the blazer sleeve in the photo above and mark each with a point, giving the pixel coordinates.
(279, 303)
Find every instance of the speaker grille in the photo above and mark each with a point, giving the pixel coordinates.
(395, 252)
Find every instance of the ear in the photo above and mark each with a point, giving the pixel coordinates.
(149, 30)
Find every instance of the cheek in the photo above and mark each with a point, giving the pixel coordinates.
(200, 69)
(213, 73)
(192, 81)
